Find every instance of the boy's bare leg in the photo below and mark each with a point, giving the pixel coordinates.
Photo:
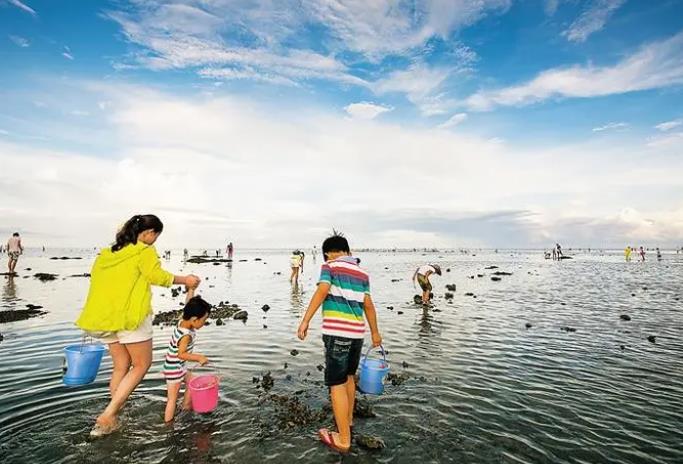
(425, 296)
(340, 408)
(172, 390)
(187, 399)
(351, 397)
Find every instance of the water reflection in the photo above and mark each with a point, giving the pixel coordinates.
(297, 299)
(9, 290)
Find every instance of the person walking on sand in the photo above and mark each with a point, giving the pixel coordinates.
(14, 250)
(118, 309)
(344, 293)
(422, 274)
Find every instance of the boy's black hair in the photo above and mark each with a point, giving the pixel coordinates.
(336, 242)
(196, 307)
(16, 234)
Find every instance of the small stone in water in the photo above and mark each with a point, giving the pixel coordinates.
(265, 308)
(320, 367)
(651, 338)
(390, 308)
(495, 279)
(294, 352)
(219, 321)
(625, 317)
(399, 312)
(528, 325)
(370, 442)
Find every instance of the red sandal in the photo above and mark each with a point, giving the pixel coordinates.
(328, 439)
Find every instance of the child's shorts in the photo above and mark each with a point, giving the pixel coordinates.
(124, 337)
(342, 356)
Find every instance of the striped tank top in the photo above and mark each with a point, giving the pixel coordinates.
(174, 367)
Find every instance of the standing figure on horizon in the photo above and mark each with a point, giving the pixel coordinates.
(659, 255)
(14, 250)
(118, 309)
(186, 254)
(641, 252)
(559, 251)
(315, 252)
(230, 249)
(627, 253)
(422, 274)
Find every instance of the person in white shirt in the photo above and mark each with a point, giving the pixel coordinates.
(422, 276)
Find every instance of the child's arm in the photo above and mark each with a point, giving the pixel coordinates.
(318, 298)
(185, 356)
(190, 293)
(371, 316)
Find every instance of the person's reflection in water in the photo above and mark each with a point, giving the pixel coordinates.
(296, 300)
(9, 290)
(229, 273)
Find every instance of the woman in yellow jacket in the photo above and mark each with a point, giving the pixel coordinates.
(118, 310)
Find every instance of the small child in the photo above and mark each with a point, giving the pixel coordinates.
(195, 314)
(344, 292)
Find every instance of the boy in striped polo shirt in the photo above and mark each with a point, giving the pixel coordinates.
(344, 292)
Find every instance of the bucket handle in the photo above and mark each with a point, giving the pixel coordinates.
(85, 337)
(211, 371)
(381, 348)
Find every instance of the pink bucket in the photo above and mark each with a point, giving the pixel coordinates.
(204, 393)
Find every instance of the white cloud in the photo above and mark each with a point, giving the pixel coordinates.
(23, 6)
(190, 159)
(668, 125)
(611, 126)
(655, 65)
(550, 6)
(366, 110)
(19, 41)
(592, 19)
(68, 56)
(421, 85)
(453, 121)
(667, 140)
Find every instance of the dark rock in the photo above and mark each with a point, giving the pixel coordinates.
(448, 269)
(491, 267)
(320, 367)
(448, 295)
(417, 299)
(470, 277)
(395, 280)
(633, 294)
(32, 306)
(568, 329)
(622, 347)
(219, 321)
(404, 364)
(528, 325)
(44, 276)
(258, 259)
(241, 315)
(480, 275)
(175, 292)
(469, 294)
(28, 269)
(267, 381)
(1, 337)
(651, 338)
(502, 273)
(265, 308)
(265, 326)
(625, 317)
(291, 412)
(206, 260)
(399, 312)
(243, 260)
(370, 442)
(288, 377)
(86, 274)
(450, 287)
(19, 315)
(397, 379)
(645, 288)
(390, 308)
(286, 366)
(363, 409)
(294, 352)
(495, 279)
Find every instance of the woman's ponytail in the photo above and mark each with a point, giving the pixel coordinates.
(132, 228)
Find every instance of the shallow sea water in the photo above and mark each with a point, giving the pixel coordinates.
(482, 387)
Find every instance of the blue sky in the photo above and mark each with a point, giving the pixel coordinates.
(561, 118)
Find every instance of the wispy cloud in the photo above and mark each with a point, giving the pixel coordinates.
(19, 41)
(67, 53)
(666, 140)
(550, 6)
(23, 6)
(453, 121)
(656, 65)
(366, 110)
(668, 125)
(592, 19)
(611, 126)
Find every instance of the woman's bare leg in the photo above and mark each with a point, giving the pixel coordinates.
(121, 358)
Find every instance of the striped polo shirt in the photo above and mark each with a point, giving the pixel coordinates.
(174, 367)
(343, 307)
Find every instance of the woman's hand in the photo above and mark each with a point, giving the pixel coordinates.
(192, 281)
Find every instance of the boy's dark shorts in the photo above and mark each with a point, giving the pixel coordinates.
(342, 356)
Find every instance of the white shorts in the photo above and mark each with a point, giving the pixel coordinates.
(124, 337)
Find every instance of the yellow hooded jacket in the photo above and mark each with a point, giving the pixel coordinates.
(120, 295)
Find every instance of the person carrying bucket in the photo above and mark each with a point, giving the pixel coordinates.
(180, 346)
(344, 292)
(422, 274)
(118, 309)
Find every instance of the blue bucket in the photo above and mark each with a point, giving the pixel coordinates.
(82, 363)
(372, 373)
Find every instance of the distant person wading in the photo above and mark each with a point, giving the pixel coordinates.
(14, 250)
(422, 276)
(118, 309)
